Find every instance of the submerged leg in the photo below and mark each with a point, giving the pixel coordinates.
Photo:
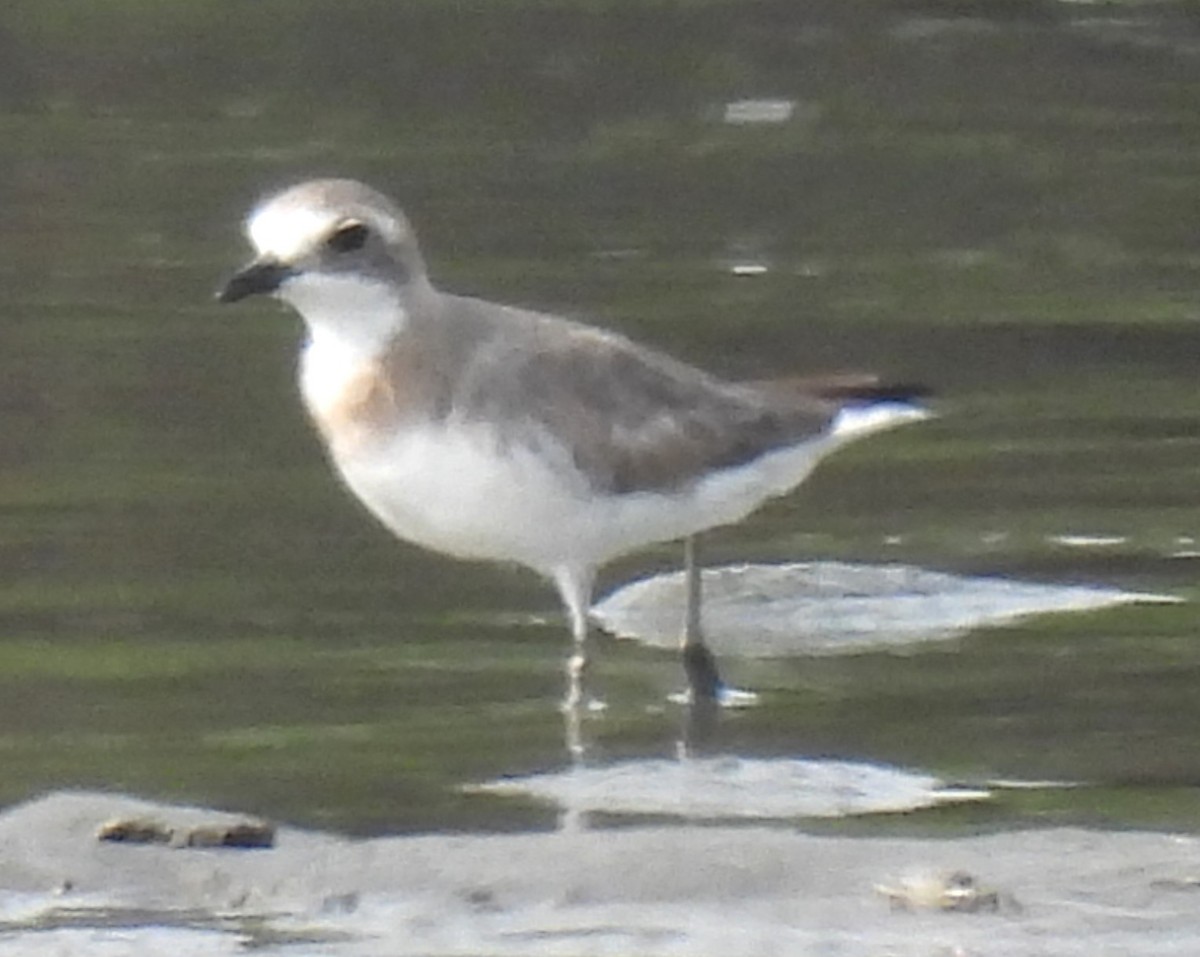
(699, 665)
(575, 589)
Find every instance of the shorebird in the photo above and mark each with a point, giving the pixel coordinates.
(486, 431)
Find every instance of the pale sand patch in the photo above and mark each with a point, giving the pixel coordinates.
(728, 891)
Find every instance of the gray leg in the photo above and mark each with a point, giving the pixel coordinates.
(692, 634)
(575, 589)
(698, 662)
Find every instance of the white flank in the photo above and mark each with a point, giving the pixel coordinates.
(458, 489)
(861, 420)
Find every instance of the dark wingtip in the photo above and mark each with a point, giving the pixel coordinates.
(847, 387)
(885, 392)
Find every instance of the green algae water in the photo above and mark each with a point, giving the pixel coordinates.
(192, 608)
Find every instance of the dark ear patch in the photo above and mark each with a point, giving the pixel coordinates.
(348, 237)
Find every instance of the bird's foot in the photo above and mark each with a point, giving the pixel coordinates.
(705, 684)
(726, 697)
(704, 681)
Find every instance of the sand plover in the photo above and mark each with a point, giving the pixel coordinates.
(491, 432)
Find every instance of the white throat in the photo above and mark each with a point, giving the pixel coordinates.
(350, 323)
(350, 315)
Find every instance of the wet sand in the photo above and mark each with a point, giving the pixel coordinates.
(752, 890)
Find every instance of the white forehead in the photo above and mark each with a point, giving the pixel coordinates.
(295, 222)
(286, 232)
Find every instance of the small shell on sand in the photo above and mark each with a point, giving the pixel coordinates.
(241, 834)
(134, 830)
(954, 891)
(140, 830)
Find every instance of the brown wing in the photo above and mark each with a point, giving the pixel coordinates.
(632, 419)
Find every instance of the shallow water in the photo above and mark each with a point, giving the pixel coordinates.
(193, 609)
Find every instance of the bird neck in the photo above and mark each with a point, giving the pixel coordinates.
(354, 317)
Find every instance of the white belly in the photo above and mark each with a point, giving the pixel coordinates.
(453, 489)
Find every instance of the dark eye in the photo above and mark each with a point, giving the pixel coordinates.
(348, 237)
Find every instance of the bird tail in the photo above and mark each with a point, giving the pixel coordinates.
(883, 407)
(864, 403)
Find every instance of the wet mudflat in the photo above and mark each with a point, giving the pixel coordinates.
(665, 890)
